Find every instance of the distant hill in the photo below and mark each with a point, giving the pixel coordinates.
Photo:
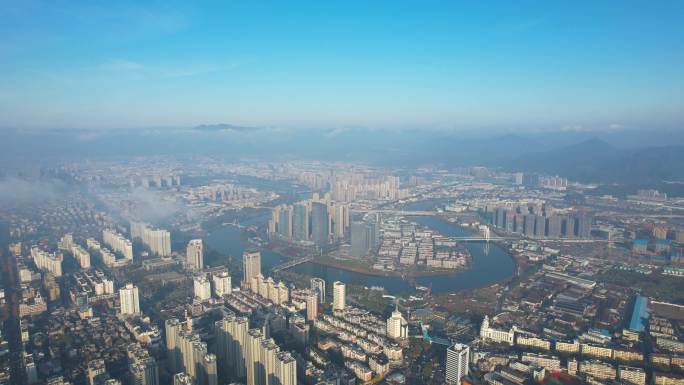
(223, 127)
(596, 161)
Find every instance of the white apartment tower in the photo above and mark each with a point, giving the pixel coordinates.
(457, 363)
(397, 327)
(128, 297)
(195, 255)
(221, 282)
(339, 296)
(202, 287)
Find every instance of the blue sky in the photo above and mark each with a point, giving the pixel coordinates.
(517, 65)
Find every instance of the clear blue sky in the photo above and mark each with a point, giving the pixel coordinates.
(452, 64)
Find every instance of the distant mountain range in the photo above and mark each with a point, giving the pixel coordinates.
(595, 160)
(634, 157)
(223, 127)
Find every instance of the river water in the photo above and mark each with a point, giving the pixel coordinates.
(487, 267)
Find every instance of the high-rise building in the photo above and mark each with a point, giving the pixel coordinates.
(202, 287)
(539, 226)
(397, 327)
(251, 263)
(457, 363)
(157, 240)
(312, 305)
(207, 374)
(300, 222)
(129, 301)
(569, 227)
(318, 286)
(255, 373)
(554, 227)
(529, 225)
(221, 282)
(118, 243)
(584, 227)
(319, 224)
(142, 367)
(285, 369)
(195, 255)
(360, 239)
(231, 344)
(172, 328)
(339, 295)
(51, 262)
(285, 221)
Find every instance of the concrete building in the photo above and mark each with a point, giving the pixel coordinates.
(129, 300)
(318, 286)
(339, 295)
(221, 283)
(458, 356)
(202, 287)
(194, 255)
(251, 263)
(397, 326)
(312, 306)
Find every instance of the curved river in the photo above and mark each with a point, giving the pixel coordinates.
(487, 267)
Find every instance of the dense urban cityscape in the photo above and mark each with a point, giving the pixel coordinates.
(341, 192)
(327, 273)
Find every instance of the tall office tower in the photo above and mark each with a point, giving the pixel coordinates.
(312, 305)
(221, 282)
(300, 222)
(319, 224)
(539, 226)
(207, 373)
(253, 359)
(318, 286)
(128, 298)
(231, 342)
(251, 267)
(397, 327)
(182, 379)
(286, 369)
(339, 299)
(142, 367)
(457, 363)
(285, 221)
(202, 287)
(172, 328)
(195, 255)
